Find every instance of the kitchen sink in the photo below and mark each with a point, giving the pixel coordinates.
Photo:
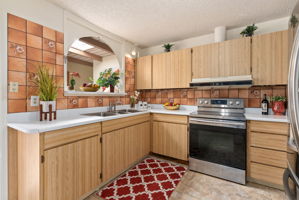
(112, 113)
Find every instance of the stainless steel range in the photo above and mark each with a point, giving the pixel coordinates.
(218, 139)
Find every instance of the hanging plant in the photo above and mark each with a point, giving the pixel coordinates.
(249, 31)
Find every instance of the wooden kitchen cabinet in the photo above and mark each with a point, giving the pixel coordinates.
(267, 152)
(172, 69)
(205, 61)
(270, 58)
(62, 164)
(124, 145)
(235, 57)
(144, 73)
(170, 138)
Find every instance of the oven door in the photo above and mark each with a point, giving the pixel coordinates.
(218, 141)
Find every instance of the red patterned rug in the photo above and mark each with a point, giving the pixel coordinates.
(151, 179)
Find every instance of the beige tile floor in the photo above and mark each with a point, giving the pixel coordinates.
(196, 186)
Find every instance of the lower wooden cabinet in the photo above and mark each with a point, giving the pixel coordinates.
(72, 170)
(267, 152)
(170, 139)
(125, 146)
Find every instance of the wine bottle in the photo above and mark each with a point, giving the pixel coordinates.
(265, 105)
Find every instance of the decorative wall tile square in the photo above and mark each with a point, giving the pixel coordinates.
(49, 33)
(16, 64)
(34, 54)
(206, 94)
(49, 45)
(254, 102)
(21, 94)
(16, 50)
(59, 70)
(59, 59)
(19, 77)
(15, 105)
(16, 36)
(16, 22)
(34, 29)
(59, 48)
(223, 93)
(243, 93)
(34, 41)
(49, 57)
(62, 104)
(254, 92)
(59, 37)
(233, 93)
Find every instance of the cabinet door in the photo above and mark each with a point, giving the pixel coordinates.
(205, 61)
(144, 72)
(161, 67)
(270, 58)
(235, 57)
(122, 148)
(170, 140)
(72, 170)
(179, 73)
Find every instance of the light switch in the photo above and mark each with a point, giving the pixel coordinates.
(34, 101)
(13, 87)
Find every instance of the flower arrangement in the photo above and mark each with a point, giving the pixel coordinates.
(134, 98)
(109, 79)
(278, 106)
(72, 80)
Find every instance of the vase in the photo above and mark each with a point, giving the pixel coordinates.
(111, 88)
(278, 107)
(46, 105)
(132, 105)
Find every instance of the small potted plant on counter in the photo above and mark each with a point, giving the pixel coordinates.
(109, 79)
(278, 105)
(47, 89)
(134, 99)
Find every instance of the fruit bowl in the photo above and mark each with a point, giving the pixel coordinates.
(171, 106)
(89, 89)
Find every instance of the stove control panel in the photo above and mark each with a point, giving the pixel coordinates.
(221, 103)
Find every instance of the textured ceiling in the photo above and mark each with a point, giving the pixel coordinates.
(152, 22)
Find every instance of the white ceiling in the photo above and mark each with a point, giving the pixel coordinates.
(152, 22)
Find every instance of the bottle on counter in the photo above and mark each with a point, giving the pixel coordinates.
(265, 105)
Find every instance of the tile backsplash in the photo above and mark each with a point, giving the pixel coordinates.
(252, 96)
(30, 45)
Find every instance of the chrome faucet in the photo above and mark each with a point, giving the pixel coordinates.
(112, 105)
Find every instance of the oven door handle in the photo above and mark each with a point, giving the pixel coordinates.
(220, 123)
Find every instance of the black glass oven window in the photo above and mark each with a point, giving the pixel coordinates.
(221, 145)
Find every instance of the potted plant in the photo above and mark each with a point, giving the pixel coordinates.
(109, 79)
(293, 21)
(134, 98)
(167, 47)
(278, 105)
(47, 89)
(249, 31)
(73, 81)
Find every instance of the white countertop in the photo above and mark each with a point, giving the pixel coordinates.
(29, 123)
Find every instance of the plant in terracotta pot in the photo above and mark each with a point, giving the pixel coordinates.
(109, 78)
(73, 81)
(278, 104)
(47, 89)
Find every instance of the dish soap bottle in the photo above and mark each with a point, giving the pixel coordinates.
(265, 105)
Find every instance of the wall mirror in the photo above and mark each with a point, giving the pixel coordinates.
(92, 68)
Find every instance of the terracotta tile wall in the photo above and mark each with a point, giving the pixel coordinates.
(31, 44)
(252, 96)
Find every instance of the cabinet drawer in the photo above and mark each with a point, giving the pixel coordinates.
(266, 173)
(67, 135)
(269, 127)
(116, 124)
(178, 119)
(268, 157)
(269, 141)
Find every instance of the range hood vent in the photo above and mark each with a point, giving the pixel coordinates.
(223, 82)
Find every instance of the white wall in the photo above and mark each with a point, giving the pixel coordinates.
(84, 71)
(264, 27)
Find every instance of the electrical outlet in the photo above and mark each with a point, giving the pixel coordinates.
(34, 100)
(13, 87)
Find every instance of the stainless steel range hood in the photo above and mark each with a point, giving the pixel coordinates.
(223, 82)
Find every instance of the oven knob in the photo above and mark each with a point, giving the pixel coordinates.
(231, 103)
(237, 102)
(206, 102)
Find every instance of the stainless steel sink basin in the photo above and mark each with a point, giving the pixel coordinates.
(107, 114)
(101, 114)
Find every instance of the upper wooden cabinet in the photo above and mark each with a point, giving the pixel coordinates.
(144, 73)
(172, 70)
(228, 58)
(270, 58)
(205, 61)
(235, 57)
